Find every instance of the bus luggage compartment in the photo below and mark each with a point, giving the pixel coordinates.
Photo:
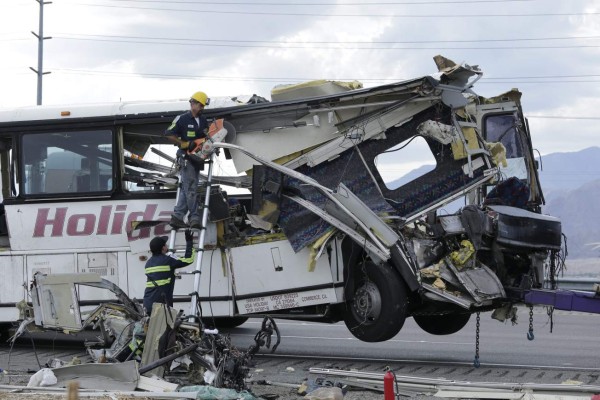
(520, 228)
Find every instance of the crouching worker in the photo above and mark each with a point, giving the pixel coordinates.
(160, 270)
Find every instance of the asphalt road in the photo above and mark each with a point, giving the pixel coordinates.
(573, 344)
(570, 353)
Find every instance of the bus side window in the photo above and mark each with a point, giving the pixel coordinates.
(7, 177)
(503, 128)
(67, 162)
(62, 169)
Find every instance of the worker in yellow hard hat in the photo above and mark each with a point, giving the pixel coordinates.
(185, 131)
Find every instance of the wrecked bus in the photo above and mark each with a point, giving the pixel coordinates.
(324, 233)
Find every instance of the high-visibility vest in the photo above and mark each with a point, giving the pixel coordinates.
(159, 275)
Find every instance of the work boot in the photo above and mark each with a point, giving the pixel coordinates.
(176, 223)
(195, 224)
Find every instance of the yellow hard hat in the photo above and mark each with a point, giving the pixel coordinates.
(201, 98)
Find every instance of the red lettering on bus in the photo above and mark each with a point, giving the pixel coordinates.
(118, 219)
(89, 221)
(87, 224)
(57, 223)
(103, 220)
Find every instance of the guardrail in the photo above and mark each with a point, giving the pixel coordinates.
(575, 283)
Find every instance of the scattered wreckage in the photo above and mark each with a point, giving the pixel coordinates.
(165, 345)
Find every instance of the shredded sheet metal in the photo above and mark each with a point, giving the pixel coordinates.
(118, 376)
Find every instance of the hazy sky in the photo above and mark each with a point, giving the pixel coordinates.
(111, 50)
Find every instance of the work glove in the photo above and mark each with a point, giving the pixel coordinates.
(184, 145)
(192, 146)
(189, 235)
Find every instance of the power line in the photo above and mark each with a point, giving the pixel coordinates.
(75, 35)
(546, 77)
(176, 76)
(284, 79)
(491, 81)
(562, 117)
(298, 14)
(287, 46)
(261, 3)
(304, 79)
(575, 172)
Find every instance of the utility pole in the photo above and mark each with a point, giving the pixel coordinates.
(40, 37)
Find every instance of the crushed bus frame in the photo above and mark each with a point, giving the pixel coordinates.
(323, 235)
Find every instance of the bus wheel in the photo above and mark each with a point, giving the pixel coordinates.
(225, 322)
(378, 308)
(446, 324)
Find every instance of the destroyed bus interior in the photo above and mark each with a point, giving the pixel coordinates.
(323, 232)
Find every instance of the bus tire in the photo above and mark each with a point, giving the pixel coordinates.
(378, 307)
(445, 324)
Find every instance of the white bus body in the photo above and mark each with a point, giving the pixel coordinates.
(325, 233)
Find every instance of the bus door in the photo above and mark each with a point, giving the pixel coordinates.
(270, 276)
(503, 122)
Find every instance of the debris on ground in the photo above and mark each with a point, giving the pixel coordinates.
(164, 352)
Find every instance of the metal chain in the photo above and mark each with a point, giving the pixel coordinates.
(530, 335)
(476, 363)
(550, 311)
(553, 283)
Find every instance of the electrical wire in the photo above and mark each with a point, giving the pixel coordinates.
(288, 47)
(262, 3)
(303, 79)
(285, 42)
(371, 80)
(394, 149)
(561, 117)
(321, 15)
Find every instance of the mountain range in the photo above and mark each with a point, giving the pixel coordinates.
(571, 185)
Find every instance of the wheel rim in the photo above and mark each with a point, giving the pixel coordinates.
(366, 305)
